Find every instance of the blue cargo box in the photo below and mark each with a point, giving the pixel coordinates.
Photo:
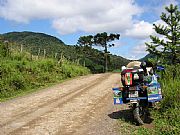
(154, 97)
(117, 96)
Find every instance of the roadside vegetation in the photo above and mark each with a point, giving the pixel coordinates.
(83, 52)
(166, 120)
(33, 60)
(21, 72)
(167, 114)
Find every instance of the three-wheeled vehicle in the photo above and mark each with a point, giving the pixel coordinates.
(140, 88)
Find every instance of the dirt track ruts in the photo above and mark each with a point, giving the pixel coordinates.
(62, 109)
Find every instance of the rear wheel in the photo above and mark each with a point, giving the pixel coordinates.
(140, 114)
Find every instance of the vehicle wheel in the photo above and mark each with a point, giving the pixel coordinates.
(140, 114)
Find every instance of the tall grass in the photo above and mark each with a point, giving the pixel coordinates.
(167, 117)
(19, 73)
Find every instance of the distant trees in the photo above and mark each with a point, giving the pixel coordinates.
(168, 47)
(100, 39)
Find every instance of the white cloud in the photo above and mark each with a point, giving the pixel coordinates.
(69, 16)
(70, 25)
(140, 30)
(138, 51)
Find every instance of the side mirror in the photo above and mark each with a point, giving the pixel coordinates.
(160, 68)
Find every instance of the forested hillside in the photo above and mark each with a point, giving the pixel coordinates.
(41, 44)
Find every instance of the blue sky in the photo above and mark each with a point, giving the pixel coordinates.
(70, 19)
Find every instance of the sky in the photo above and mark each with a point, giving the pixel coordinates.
(70, 19)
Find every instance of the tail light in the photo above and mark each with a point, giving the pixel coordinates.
(128, 78)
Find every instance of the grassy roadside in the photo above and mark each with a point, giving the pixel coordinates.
(117, 71)
(30, 91)
(20, 75)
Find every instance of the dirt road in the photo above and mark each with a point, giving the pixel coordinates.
(78, 106)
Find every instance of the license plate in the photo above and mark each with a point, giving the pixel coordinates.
(133, 94)
(132, 88)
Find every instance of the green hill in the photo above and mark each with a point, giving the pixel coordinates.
(32, 41)
(147, 57)
(40, 43)
(27, 37)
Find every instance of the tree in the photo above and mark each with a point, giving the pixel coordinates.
(103, 39)
(85, 44)
(85, 41)
(84, 47)
(100, 39)
(168, 48)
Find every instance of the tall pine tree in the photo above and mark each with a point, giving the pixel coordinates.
(167, 48)
(100, 39)
(103, 40)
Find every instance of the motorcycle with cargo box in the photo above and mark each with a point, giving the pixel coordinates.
(140, 88)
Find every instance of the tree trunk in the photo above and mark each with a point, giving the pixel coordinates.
(106, 56)
(106, 62)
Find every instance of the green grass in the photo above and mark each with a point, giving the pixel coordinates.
(20, 75)
(31, 90)
(167, 117)
(117, 71)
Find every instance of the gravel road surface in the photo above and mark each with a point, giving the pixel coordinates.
(80, 106)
